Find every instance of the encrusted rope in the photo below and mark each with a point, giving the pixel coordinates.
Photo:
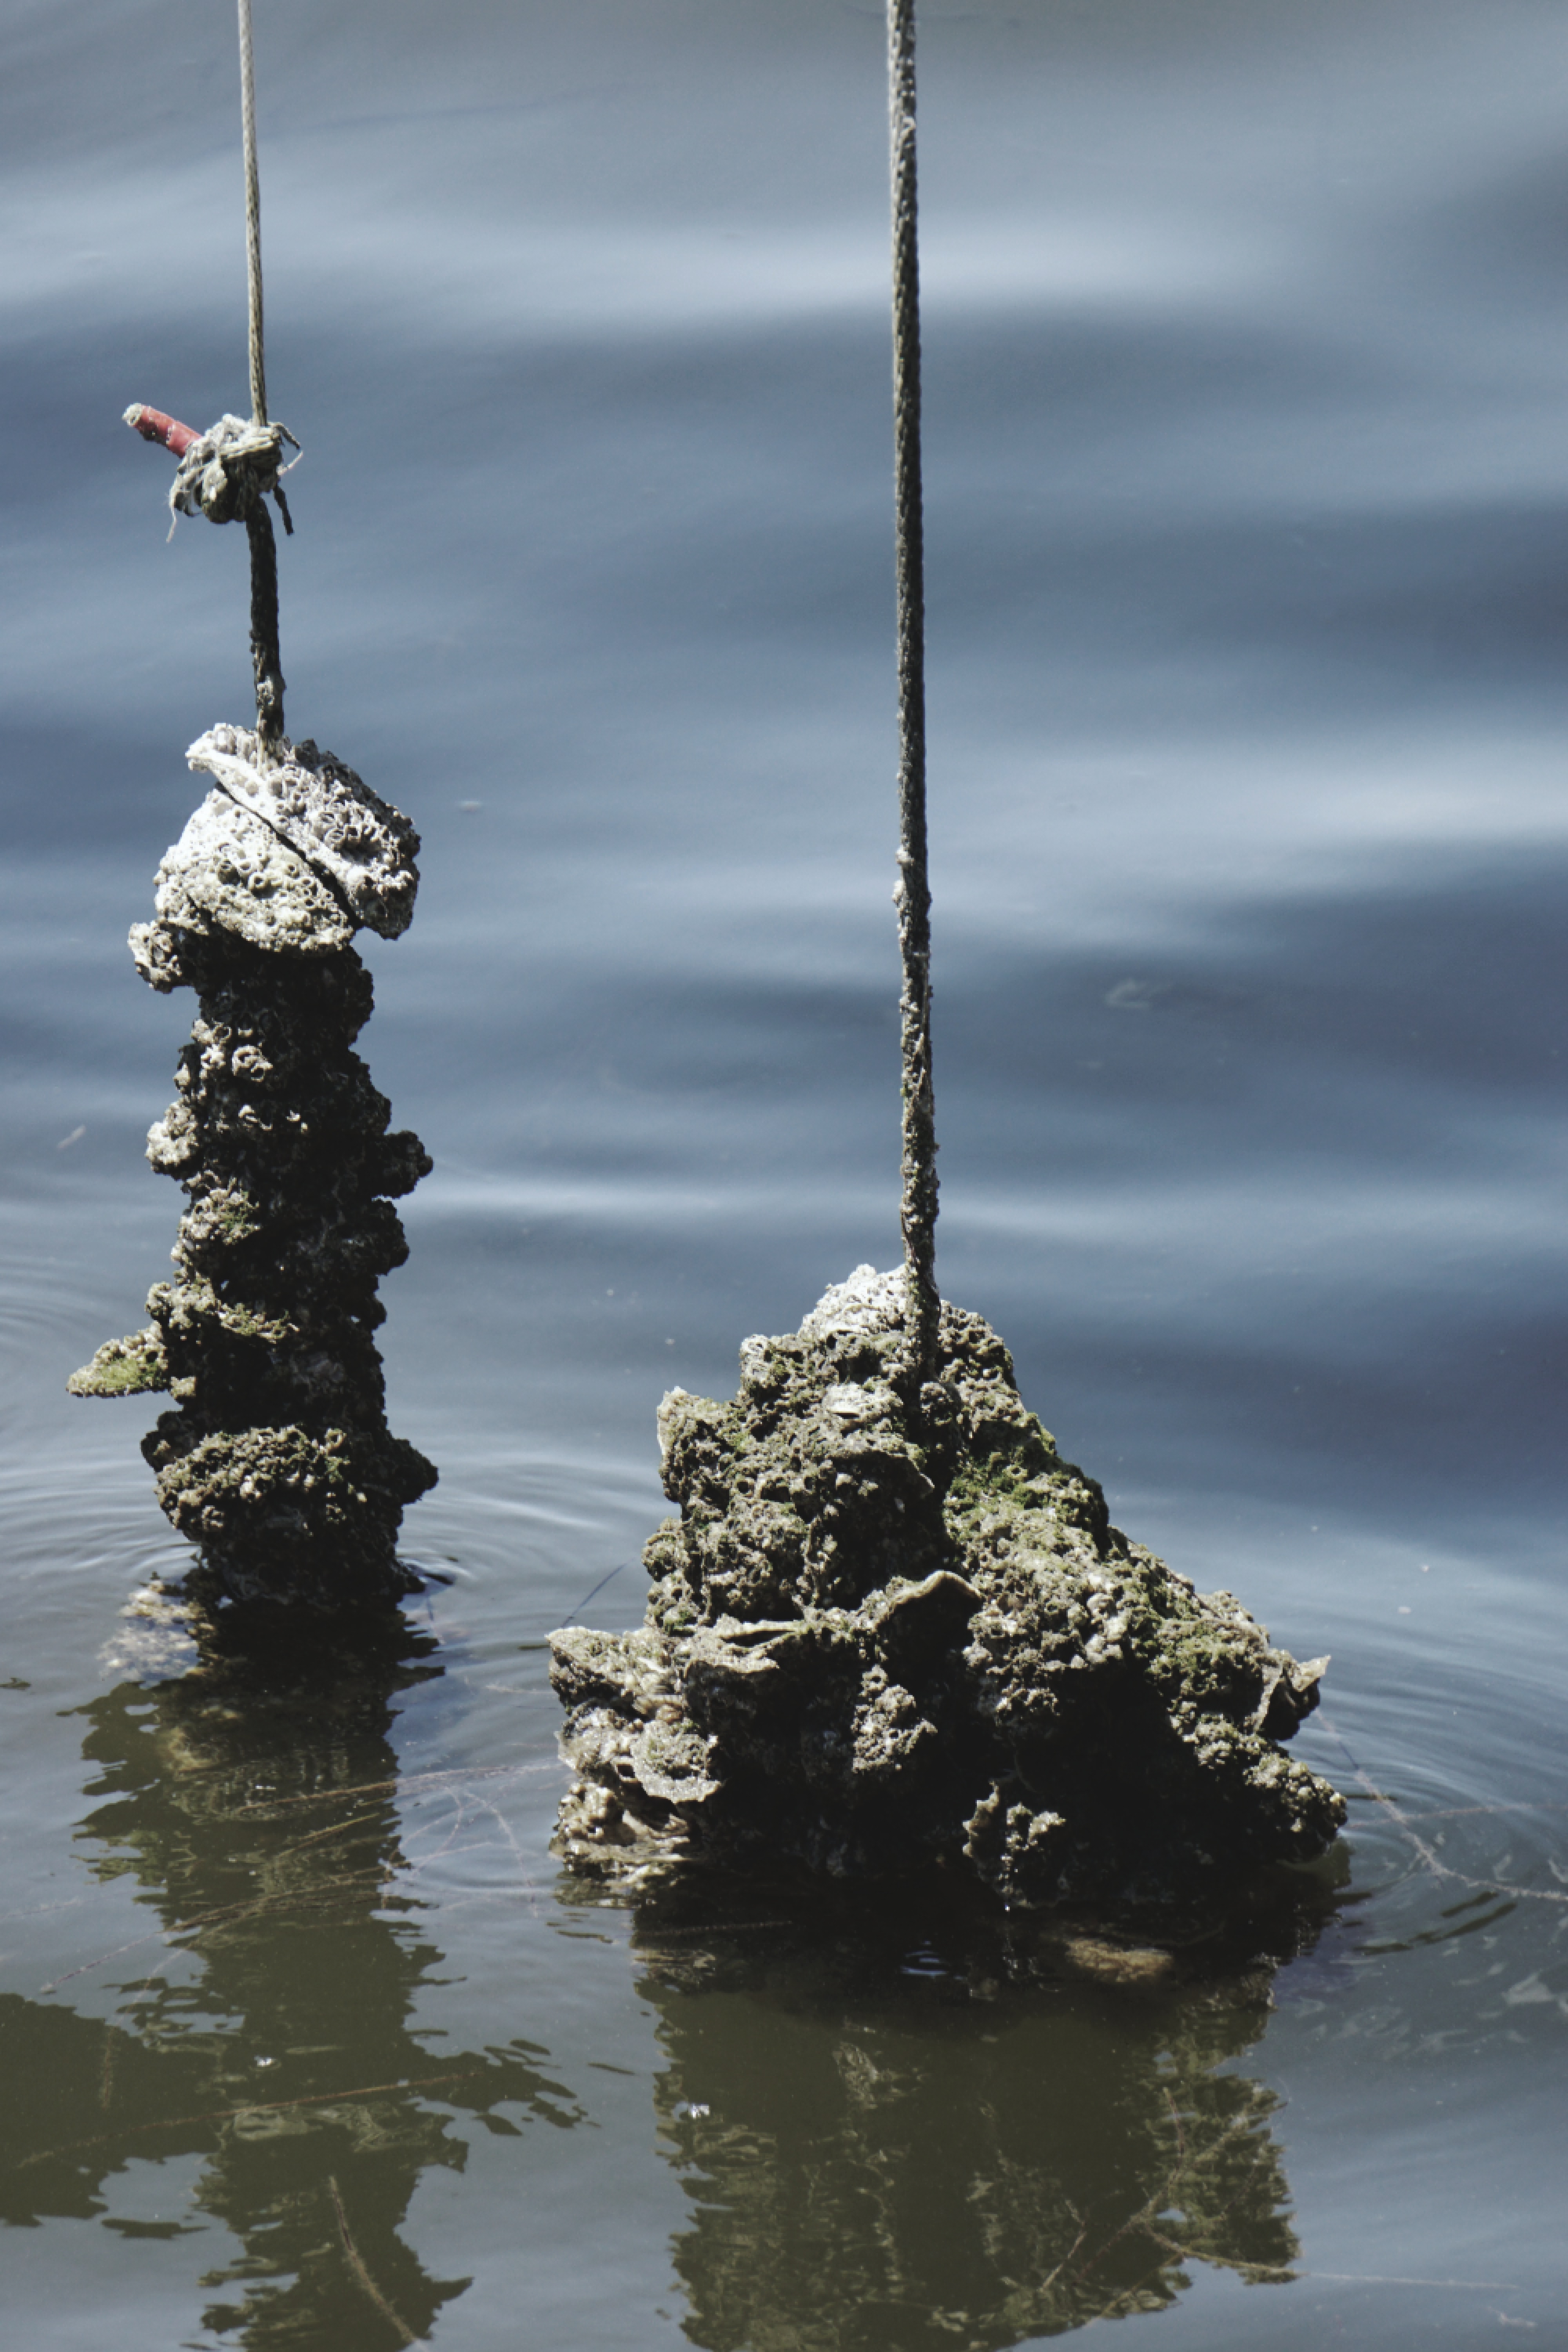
(265, 658)
(912, 894)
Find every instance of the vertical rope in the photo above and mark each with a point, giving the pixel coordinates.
(252, 217)
(912, 895)
(266, 659)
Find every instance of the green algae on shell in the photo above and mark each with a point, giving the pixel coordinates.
(875, 1637)
(136, 1365)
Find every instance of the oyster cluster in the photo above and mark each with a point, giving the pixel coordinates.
(276, 1460)
(883, 1632)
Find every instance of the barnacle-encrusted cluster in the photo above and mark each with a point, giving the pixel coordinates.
(276, 1461)
(878, 1635)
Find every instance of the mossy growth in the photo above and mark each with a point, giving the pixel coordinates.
(130, 1367)
(881, 1634)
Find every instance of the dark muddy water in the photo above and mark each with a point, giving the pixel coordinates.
(1247, 340)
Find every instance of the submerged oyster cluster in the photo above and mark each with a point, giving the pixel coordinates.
(878, 1636)
(276, 1461)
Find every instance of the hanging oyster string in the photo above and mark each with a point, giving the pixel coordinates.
(276, 1461)
(890, 1625)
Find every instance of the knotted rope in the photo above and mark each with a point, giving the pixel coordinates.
(230, 470)
(912, 893)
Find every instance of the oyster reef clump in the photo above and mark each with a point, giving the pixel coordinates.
(871, 1641)
(276, 1461)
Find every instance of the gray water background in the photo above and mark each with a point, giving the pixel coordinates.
(1246, 339)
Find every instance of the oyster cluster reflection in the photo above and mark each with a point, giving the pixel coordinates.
(890, 2141)
(256, 1815)
(902, 2117)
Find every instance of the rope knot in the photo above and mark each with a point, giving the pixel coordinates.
(227, 471)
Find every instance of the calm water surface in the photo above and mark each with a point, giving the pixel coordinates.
(1248, 336)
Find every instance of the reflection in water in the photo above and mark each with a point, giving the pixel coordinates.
(890, 2143)
(259, 1819)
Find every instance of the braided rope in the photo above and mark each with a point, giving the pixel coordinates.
(912, 894)
(252, 217)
